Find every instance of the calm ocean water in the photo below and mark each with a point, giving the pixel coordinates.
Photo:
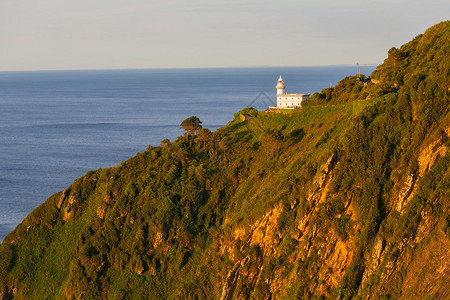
(57, 125)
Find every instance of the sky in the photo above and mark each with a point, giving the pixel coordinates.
(129, 34)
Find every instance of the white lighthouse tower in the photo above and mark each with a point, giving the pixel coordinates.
(280, 86)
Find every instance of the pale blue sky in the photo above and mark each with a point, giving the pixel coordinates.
(109, 34)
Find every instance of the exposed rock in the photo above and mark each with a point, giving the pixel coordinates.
(266, 283)
(101, 267)
(391, 265)
(68, 212)
(230, 283)
(317, 195)
(64, 195)
(427, 158)
(101, 211)
(139, 270)
(331, 163)
(14, 290)
(294, 204)
(321, 182)
(160, 237)
(152, 271)
(378, 250)
(9, 293)
(107, 198)
(389, 269)
(335, 263)
(432, 152)
(415, 284)
(4, 296)
(261, 232)
(375, 259)
(74, 196)
(376, 81)
(405, 192)
(425, 227)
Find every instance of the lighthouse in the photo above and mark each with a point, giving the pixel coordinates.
(287, 101)
(280, 86)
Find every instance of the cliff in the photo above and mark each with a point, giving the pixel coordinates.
(346, 199)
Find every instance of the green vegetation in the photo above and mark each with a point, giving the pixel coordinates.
(191, 125)
(322, 183)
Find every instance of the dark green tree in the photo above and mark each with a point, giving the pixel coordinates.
(165, 142)
(203, 137)
(191, 125)
(224, 144)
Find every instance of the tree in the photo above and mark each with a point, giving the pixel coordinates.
(165, 142)
(224, 145)
(277, 137)
(191, 125)
(215, 139)
(265, 140)
(394, 56)
(203, 136)
(271, 140)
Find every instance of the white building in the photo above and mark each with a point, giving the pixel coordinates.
(288, 101)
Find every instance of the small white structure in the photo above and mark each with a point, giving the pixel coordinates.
(288, 101)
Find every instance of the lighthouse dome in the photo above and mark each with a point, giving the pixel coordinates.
(280, 86)
(280, 83)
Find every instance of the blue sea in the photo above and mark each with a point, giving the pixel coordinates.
(57, 125)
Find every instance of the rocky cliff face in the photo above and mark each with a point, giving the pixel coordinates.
(384, 260)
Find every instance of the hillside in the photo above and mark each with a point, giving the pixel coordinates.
(347, 197)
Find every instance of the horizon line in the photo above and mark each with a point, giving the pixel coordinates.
(181, 68)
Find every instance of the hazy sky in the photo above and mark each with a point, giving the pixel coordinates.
(105, 34)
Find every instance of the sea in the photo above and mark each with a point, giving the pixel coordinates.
(57, 125)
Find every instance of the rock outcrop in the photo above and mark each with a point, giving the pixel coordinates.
(320, 183)
(432, 152)
(10, 293)
(374, 260)
(64, 195)
(406, 191)
(427, 158)
(230, 283)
